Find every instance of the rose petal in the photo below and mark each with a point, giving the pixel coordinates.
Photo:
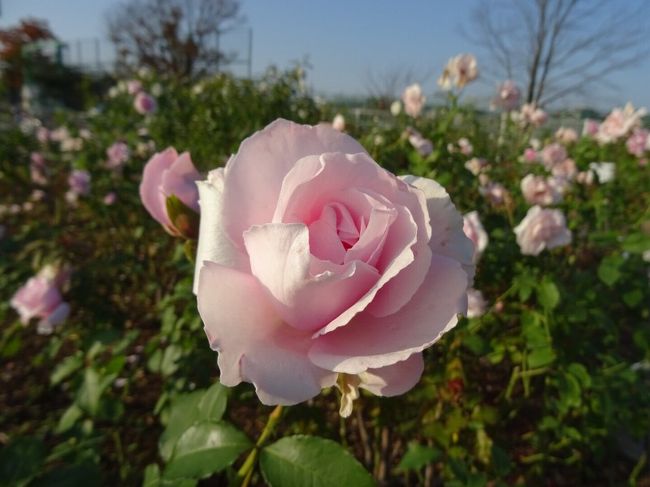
(280, 258)
(150, 193)
(395, 379)
(368, 342)
(255, 175)
(180, 179)
(243, 326)
(214, 245)
(448, 237)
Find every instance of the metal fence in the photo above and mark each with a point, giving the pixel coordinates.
(96, 55)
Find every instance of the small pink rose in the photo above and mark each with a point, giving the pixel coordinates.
(413, 100)
(553, 154)
(169, 174)
(40, 298)
(317, 267)
(507, 97)
(144, 103)
(474, 230)
(423, 146)
(542, 229)
(637, 142)
(79, 182)
(118, 153)
(538, 190)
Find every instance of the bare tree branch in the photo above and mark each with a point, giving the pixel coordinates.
(177, 37)
(561, 45)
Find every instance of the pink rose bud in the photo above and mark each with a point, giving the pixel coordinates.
(38, 169)
(144, 103)
(590, 128)
(542, 229)
(476, 305)
(40, 298)
(316, 267)
(419, 143)
(169, 183)
(530, 155)
(338, 123)
(110, 198)
(474, 230)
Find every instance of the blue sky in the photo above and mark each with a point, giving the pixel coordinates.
(343, 40)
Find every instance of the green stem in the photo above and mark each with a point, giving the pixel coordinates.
(246, 471)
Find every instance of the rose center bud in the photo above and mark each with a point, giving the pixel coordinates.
(352, 227)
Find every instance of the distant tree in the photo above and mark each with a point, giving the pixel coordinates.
(384, 87)
(557, 48)
(177, 37)
(12, 42)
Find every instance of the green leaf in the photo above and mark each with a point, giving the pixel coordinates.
(92, 389)
(548, 294)
(168, 364)
(532, 330)
(21, 461)
(580, 372)
(68, 366)
(297, 461)
(608, 270)
(418, 456)
(213, 403)
(69, 418)
(151, 476)
(633, 298)
(182, 415)
(636, 243)
(539, 357)
(187, 409)
(206, 448)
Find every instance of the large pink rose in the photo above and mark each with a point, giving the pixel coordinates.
(40, 298)
(314, 264)
(542, 229)
(169, 174)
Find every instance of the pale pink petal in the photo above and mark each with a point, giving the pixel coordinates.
(180, 180)
(368, 342)
(244, 328)
(393, 380)
(448, 237)
(254, 176)
(280, 258)
(150, 187)
(324, 240)
(214, 245)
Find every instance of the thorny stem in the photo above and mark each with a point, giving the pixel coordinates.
(246, 471)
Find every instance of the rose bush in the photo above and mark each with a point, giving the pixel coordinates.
(314, 262)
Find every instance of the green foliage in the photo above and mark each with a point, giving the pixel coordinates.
(295, 461)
